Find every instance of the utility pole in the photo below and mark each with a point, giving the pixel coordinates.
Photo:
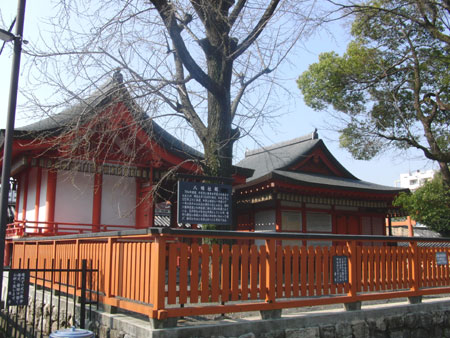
(9, 131)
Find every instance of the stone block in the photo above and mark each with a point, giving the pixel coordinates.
(425, 320)
(379, 334)
(109, 309)
(438, 317)
(354, 306)
(163, 323)
(117, 334)
(399, 334)
(270, 314)
(273, 334)
(420, 333)
(307, 332)
(248, 335)
(343, 329)
(411, 321)
(447, 319)
(328, 331)
(395, 322)
(104, 331)
(437, 331)
(360, 329)
(415, 300)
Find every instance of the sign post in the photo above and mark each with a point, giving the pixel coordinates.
(204, 203)
(340, 269)
(18, 287)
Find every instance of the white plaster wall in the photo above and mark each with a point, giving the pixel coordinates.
(118, 201)
(31, 198)
(43, 197)
(74, 196)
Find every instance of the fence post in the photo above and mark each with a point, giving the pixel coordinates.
(108, 275)
(270, 270)
(108, 268)
(415, 273)
(158, 316)
(83, 294)
(352, 277)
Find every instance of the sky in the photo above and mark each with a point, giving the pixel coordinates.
(296, 120)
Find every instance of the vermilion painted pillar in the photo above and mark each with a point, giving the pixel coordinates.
(410, 227)
(144, 205)
(50, 201)
(278, 217)
(304, 225)
(97, 204)
(278, 226)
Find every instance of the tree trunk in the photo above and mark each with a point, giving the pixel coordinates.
(218, 145)
(445, 171)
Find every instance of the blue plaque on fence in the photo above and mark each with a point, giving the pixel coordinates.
(204, 203)
(441, 258)
(18, 287)
(340, 269)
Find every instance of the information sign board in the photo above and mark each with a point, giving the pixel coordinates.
(441, 258)
(18, 287)
(340, 269)
(204, 203)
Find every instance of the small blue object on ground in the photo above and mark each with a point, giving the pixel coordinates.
(72, 333)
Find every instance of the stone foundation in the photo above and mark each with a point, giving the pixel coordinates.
(430, 319)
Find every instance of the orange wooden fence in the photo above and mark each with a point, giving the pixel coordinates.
(169, 273)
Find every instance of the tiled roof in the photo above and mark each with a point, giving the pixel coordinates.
(113, 91)
(274, 162)
(331, 181)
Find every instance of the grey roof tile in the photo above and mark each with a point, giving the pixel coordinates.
(112, 92)
(274, 162)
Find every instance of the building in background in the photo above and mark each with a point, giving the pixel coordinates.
(407, 226)
(414, 180)
(299, 186)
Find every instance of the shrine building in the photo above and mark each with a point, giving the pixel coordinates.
(299, 186)
(105, 165)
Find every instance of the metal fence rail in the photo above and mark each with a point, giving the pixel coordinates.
(52, 303)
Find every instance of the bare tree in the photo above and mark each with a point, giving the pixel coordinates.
(208, 64)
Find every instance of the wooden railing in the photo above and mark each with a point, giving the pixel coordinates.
(40, 228)
(169, 273)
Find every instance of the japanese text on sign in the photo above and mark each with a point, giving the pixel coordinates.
(340, 269)
(441, 258)
(18, 287)
(204, 203)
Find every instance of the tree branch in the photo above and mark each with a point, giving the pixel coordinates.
(235, 12)
(244, 86)
(186, 106)
(242, 47)
(167, 13)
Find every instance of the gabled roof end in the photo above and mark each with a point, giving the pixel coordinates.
(312, 136)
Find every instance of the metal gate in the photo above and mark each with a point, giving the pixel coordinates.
(43, 299)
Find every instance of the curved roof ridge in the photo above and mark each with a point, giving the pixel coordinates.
(308, 137)
(113, 90)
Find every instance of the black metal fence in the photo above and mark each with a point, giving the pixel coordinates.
(42, 300)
